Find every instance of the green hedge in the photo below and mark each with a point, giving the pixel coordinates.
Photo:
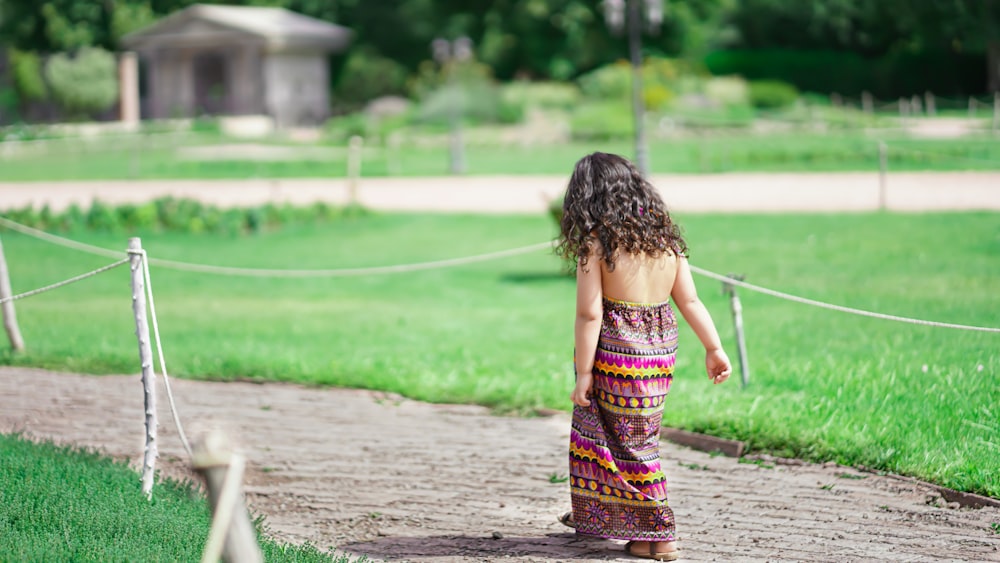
(772, 94)
(85, 84)
(178, 216)
(889, 77)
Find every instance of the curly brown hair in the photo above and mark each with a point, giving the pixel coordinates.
(609, 202)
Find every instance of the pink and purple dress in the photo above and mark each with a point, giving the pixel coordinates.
(617, 486)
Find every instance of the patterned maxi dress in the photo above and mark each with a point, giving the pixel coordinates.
(617, 487)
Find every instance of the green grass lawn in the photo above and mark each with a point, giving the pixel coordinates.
(793, 152)
(61, 504)
(825, 386)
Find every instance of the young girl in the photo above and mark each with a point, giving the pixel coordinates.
(630, 261)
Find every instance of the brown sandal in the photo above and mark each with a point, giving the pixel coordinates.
(567, 520)
(672, 555)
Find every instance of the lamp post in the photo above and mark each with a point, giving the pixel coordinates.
(622, 15)
(448, 54)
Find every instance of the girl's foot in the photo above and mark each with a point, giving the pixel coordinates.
(658, 551)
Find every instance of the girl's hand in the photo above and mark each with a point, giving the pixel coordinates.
(718, 366)
(581, 393)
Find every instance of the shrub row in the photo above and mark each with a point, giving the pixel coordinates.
(179, 216)
(889, 77)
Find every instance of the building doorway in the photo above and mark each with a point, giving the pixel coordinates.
(211, 92)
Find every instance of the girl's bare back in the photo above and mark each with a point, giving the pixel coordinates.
(640, 278)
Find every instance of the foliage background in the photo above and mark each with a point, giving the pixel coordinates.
(888, 41)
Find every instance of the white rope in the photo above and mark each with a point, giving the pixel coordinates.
(887, 106)
(832, 307)
(159, 353)
(98, 144)
(468, 260)
(68, 243)
(346, 272)
(274, 273)
(64, 282)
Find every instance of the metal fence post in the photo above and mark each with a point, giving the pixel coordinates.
(737, 310)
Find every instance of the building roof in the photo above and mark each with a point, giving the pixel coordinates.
(278, 28)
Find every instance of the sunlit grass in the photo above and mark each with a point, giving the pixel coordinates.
(61, 504)
(739, 151)
(824, 385)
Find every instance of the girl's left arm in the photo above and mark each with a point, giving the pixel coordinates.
(588, 326)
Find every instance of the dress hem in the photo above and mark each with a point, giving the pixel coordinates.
(629, 537)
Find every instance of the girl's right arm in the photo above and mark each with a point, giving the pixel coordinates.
(685, 296)
(587, 328)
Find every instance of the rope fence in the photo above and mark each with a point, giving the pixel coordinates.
(437, 264)
(350, 272)
(278, 273)
(146, 290)
(841, 112)
(60, 241)
(57, 285)
(943, 156)
(831, 306)
(159, 350)
(231, 531)
(101, 143)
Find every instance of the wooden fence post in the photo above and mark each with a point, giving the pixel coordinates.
(996, 112)
(904, 112)
(741, 343)
(867, 103)
(9, 314)
(354, 153)
(232, 535)
(146, 361)
(930, 103)
(393, 143)
(883, 174)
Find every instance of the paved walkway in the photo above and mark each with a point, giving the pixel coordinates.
(400, 480)
(737, 192)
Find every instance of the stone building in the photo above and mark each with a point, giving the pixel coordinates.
(237, 60)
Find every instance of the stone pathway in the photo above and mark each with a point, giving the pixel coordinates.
(399, 480)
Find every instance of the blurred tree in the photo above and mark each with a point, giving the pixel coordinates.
(127, 17)
(868, 28)
(366, 76)
(563, 38)
(549, 38)
(52, 25)
(552, 38)
(961, 25)
(27, 75)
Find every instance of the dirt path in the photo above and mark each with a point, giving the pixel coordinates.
(735, 192)
(402, 480)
